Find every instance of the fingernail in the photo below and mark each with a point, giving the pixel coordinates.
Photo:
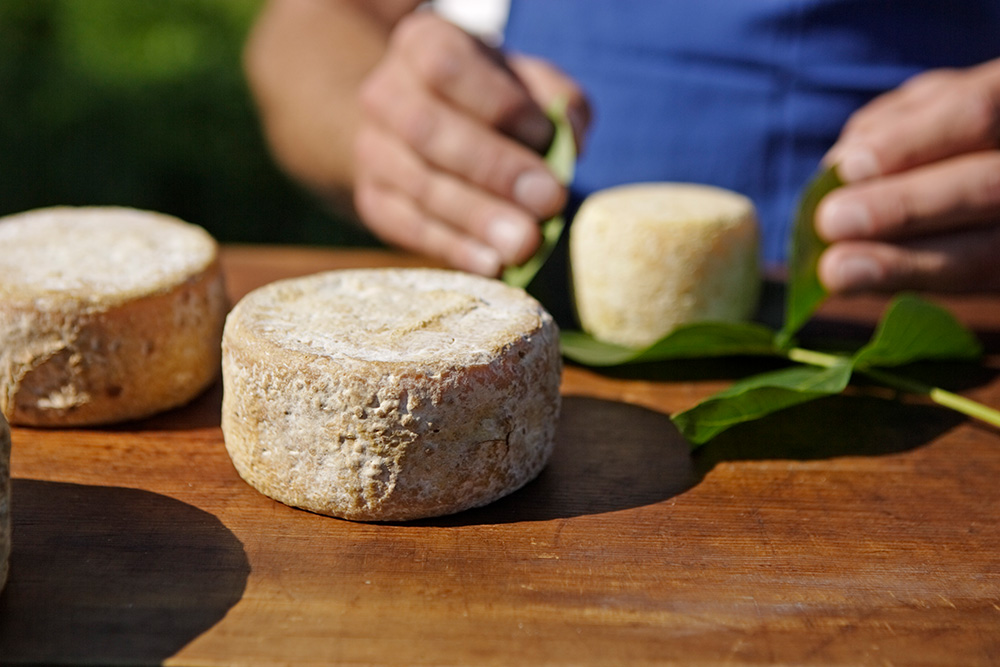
(537, 191)
(857, 164)
(858, 272)
(506, 236)
(484, 261)
(838, 220)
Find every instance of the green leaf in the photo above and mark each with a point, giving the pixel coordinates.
(561, 159)
(805, 292)
(702, 339)
(913, 329)
(561, 156)
(759, 396)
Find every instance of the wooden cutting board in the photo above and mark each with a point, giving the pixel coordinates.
(860, 529)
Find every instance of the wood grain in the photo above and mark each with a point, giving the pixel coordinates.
(858, 530)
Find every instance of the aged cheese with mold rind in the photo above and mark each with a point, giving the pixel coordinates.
(106, 314)
(389, 394)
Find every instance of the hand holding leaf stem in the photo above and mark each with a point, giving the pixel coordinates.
(449, 153)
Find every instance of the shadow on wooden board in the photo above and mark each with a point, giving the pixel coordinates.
(609, 456)
(612, 456)
(204, 411)
(105, 575)
(837, 426)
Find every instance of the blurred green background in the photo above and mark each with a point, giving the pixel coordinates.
(143, 103)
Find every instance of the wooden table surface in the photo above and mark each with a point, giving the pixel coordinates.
(856, 530)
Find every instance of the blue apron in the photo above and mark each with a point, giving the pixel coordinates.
(743, 94)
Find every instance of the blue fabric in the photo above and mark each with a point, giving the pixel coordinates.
(743, 94)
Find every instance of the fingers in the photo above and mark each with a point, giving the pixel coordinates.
(921, 208)
(933, 199)
(452, 104)
(936, 227)
(456, 143)
(460, 69)
(934, 116)
(395, 219)
(447, 151)
(965, 261)
(443, 200)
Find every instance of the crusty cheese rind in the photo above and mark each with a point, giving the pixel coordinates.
(83, 345)
(4, 501)
(649, 257)
(450, 406)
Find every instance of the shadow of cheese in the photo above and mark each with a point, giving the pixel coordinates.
(613, 456)
(609, 456)
(202, 412)
(108, 575)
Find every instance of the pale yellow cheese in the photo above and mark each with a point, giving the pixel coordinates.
(649, 257)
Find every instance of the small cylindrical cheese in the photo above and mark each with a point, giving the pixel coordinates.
(389, 394)
(647, 258)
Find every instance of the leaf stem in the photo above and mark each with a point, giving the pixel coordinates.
(940, 396)
(812, 357)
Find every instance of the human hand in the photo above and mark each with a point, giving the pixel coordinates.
(448, 155)
(921, 204)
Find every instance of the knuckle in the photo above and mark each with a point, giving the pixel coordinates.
(369, 154)
(438, 64)
(853, 126)
(412, 30)
(861, 124)
(436, 239)
(420, 186)
(418, 125)
(490, 165)
(932, 80)
(366, 203)
(372, 91)
(893, 216)
(496, 164)
(991, 185)
(364, 147)
(506, 109)
(983, 109)
(453, 253)
(377, 160)
(890, 149)
(385, 215)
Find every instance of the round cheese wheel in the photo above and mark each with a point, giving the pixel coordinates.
(649, 257)
(389, 394)
(4, 500)
(106, 314)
